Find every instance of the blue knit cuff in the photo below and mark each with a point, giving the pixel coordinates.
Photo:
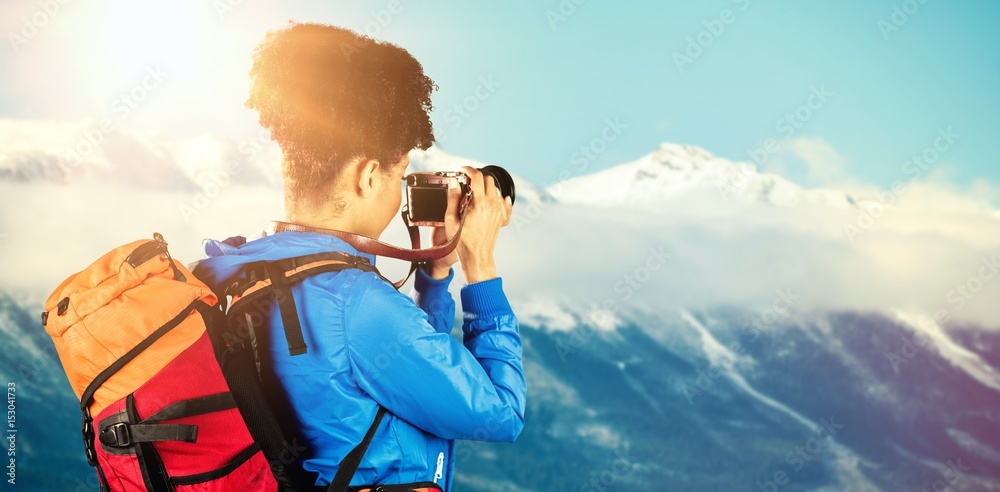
(485, 299)
(430, 287)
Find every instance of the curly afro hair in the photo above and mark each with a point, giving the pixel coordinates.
(329, 95)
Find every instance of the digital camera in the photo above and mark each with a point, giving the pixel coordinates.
(427, 192)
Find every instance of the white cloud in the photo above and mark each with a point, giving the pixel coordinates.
(824, 165)
(32, 150)
(933, 238)
(742, 258)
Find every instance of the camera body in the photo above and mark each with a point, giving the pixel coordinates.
(427, 192)
(427, 196)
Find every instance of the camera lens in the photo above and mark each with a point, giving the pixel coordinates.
(502, 179)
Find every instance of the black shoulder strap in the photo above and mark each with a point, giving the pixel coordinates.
(283, 272)
(349, 465)
(286, 305)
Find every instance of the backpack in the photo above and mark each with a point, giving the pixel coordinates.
(167, 374)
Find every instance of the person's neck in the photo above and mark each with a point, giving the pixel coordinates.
(325, 220)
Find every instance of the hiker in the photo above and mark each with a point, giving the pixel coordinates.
(346, 110)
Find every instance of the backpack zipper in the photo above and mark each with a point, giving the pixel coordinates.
(144, 253)
(152, 249)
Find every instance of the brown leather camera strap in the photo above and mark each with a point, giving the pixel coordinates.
(365, 244)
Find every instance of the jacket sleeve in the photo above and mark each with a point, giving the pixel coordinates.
(426, 377)
(433, 297)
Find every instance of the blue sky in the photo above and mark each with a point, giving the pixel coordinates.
(558, 81)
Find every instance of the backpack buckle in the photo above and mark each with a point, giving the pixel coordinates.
(116, 435)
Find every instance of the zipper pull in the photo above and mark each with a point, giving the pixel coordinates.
(440, 468)
(163, 244)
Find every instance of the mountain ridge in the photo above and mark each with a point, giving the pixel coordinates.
(673, 170)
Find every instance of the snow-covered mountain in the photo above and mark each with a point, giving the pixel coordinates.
(683, 400)
(674, 170)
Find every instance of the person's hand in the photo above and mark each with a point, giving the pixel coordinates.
(441, 267)
(485, 215)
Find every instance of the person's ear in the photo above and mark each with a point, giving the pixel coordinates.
(369, 177)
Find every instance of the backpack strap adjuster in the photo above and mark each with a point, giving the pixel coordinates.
(116, 435)
(124, 434)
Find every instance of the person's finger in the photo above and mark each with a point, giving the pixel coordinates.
(454, 200)
(508, 208)
(491, 188)
(475, 180)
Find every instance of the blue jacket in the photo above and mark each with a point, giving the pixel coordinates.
(370, 344)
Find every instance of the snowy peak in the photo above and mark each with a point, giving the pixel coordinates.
(677, 170)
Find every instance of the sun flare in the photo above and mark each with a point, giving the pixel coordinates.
(136, 35)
